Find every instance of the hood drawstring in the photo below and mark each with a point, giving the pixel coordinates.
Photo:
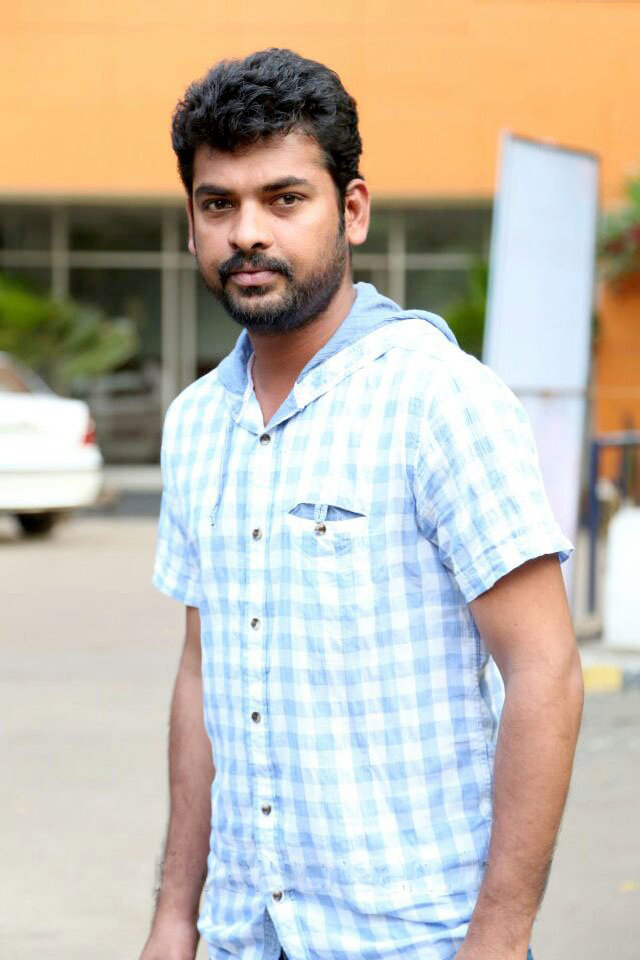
(226, 448)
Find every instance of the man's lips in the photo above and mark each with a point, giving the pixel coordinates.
(253, 278)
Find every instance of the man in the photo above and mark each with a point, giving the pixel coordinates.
(354, 518)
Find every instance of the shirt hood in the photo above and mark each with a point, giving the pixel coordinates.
(369, 311)
(359, 339)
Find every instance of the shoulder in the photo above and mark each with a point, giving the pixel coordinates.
(442, 376)
(187, 407)
(465, 378)
(190, 417)
(458, 408)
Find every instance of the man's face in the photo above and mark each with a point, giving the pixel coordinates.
(267, 232)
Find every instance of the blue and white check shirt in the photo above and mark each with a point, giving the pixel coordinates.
(349, 698)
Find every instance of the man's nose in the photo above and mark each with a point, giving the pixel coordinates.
(250, 229)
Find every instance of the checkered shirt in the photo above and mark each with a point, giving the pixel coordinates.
(350, 700)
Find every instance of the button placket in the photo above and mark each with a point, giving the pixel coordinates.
(261, 486)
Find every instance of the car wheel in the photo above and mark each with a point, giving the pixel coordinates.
(37, 524)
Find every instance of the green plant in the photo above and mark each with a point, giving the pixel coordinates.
(61, 339)
(619, 239)
(466, 316)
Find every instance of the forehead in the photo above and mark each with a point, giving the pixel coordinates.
(246, 168)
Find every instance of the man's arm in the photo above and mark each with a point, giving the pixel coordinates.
(174, 935)
(525, 622)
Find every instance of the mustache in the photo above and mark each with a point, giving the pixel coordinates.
(257, 262)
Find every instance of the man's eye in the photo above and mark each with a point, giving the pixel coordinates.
(288, 199)
(215, 204)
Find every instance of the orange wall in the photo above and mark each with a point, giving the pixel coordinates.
(87, 87)
(615, 404)
(617, 360)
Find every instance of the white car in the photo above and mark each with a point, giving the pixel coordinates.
(49, 459)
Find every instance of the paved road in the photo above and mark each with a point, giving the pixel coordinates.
(89, 657)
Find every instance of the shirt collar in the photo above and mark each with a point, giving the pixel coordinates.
(369, 311)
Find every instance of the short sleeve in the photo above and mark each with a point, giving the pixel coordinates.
(480, 496)
(176, 569)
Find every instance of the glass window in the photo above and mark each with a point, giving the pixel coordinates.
(183, 227)
(10, 382)
(435, 290)
(378, 237)
(114, 228)
(379, 278)
(126, 403)
(134, 294)
(25, 228)
(33, 279)
(448, 230)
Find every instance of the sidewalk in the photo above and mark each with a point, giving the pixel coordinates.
(609, 669)
(129, 491)
(125, 479)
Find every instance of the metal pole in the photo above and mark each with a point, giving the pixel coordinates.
(593, 522)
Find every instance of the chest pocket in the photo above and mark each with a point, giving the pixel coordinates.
(327, 558)
(324, 530)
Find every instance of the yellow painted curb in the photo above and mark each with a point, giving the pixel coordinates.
(602, 679)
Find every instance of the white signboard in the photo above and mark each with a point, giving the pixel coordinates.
(541, 289)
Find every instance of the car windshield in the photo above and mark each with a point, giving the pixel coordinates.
(16, 378)
(10, 382)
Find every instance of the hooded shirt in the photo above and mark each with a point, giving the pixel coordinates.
(350, 701)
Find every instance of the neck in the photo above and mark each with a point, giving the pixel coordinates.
(279, 357)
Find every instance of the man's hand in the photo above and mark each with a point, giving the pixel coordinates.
(525, 622)
(175, 939)
(174, 934)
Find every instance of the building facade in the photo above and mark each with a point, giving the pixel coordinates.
(91, 205)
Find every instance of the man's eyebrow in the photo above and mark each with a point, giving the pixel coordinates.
(213, 190)
(209, 189)
(285, 182)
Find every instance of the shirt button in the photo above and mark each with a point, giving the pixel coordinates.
(255, 716)
(257, 534)
(255, 623)
(265, 439)
(266, 809)
(277, 895)
(320, 528)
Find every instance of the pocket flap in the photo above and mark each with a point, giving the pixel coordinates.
(305, 503)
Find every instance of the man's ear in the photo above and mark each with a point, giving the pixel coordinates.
(357, 209)
(192, 243)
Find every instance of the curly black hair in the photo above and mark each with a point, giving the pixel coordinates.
(239, 102)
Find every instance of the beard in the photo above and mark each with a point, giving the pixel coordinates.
(302, 300)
